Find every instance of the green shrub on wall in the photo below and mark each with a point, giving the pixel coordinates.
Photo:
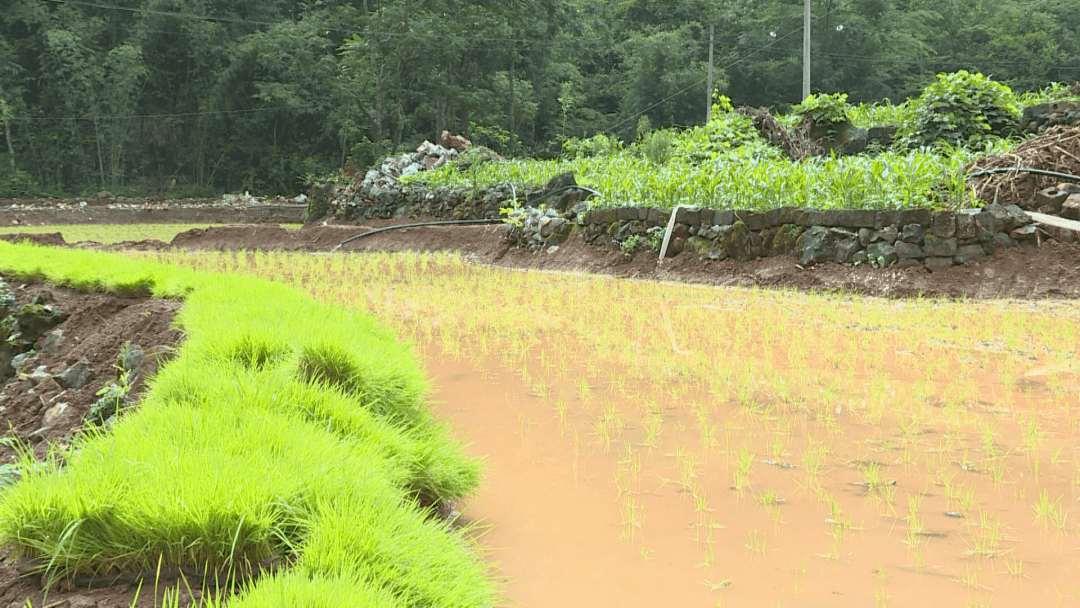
(826, 110)
(962, 108)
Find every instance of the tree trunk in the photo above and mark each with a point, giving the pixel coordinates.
(10, 148)
(7, 137)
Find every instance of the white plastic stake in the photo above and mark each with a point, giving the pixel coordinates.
(667, 233)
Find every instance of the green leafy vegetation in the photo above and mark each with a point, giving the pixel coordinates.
(285, 432)
(215, 96)
(824, 110)
(962, 108)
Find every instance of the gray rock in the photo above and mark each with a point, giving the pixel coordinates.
(688, 215)
(77, 376)
(914, 216)
(53, 414)
(966, 253)
(1004, 240)
(131, 357)
(51, 343)
(1025, 233)
(909, 263)
(846, 248)
(965, 224)
(852, 218)
(913, 233)
(545, 226)
(1070, 208)
(884, 219)
(943, 224)
(887, 234)
(864, 236)
(939, 248)
(908, 251)
(993, 218)
(859, 257)
(881, 254)
(753, 221)
(1017, 217)
(19, 361)
(38, 376)
(937, 264)
(816, 245)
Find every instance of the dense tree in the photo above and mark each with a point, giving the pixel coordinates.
(200, 96)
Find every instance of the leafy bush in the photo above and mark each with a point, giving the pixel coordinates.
(597, 145)
(825, 110)
(962, 108)
(658, 147)
(726, 131)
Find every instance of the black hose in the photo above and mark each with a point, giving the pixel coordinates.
(1075, 178)
(416, 225)
(544, 194)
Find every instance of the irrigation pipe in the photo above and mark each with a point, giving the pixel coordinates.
(1075, 178)
(416, 225)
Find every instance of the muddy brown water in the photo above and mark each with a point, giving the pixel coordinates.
(556, 522)
(662, 445)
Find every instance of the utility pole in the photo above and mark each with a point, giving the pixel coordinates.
(512, 126)
(806, 50)
(708, 89)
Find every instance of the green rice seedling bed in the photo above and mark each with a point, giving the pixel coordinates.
(287, 435)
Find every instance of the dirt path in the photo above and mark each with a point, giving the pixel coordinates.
(1051, 270)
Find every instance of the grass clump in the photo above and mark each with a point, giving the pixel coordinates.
(236, 462)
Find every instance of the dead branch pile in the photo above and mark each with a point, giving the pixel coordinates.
(1058, 149)
(796, 143)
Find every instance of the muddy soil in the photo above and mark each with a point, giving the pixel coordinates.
(39, 412)
(1051, 270)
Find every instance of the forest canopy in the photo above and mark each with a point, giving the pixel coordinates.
(197, 97)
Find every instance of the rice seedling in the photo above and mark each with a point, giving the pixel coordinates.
(688, 469)
(987, 537)
(632, 516)
(755, 542)
(1015, 567)
(1050, 513)
(743, 466)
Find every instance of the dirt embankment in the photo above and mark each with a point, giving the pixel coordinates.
(1050, 270)
(64, 352)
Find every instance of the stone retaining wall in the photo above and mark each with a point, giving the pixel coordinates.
(913, 237)
(910, 237)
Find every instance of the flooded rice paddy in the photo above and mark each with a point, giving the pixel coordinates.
(655, 444)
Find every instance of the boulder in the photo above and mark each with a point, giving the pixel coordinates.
(1070, 207)
(913, 233)
(53, 414)
(965, 225)
(816, 245)
(938, 264)
(846, 249)
(77, 376)
(888, 234)
(966, 253)
(938, 247)
(943, 224)
(881, 254)
(908, 251)
(456, 142)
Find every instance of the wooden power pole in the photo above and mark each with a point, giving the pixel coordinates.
(708, 89)
(806, 50)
